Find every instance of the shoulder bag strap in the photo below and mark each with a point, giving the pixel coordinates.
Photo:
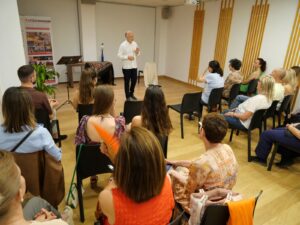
(23, 139)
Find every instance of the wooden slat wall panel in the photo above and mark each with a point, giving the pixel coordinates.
(196, 43)
(255, 34)
(223, 31)
(292, 57)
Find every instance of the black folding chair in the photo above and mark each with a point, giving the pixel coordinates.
(270, 113)
(234, 91)
(214, 100)
(91, 162)
(256, 122)
(164, 144)
(84, 109)
(297, 150)
(190, 103)
(252, 87)
(132, 109)
(219, 214)
(42, 117)
(284, 108)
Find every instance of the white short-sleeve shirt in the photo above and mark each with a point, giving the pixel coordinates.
(253, 104)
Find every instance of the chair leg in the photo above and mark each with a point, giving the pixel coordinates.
(273, 121)
(260, 129)
(230, 139)
(249, 145)
(237, 132)
(273, 156)
(80, 200)
(181, 125)
(279, 119)
(265, 124)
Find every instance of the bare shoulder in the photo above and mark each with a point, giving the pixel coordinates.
(136, 121)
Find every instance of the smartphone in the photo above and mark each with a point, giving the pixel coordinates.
(168, 167)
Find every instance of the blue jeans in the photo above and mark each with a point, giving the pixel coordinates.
(238, 100)
(233, 121)
(278, 135)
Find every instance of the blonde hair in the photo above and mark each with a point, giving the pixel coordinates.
(9, 181)
(267, 86)
(290, 78)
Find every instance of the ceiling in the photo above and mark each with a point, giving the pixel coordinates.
(152, 3)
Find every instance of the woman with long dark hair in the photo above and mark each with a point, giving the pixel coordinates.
(154, 116)
(85, 93)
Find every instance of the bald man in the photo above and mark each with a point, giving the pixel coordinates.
(128, 53)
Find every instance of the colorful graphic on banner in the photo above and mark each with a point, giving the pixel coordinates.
(37, 39)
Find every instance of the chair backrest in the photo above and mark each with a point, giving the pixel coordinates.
(42, 117)
(271, 110)
(252, 87)
(191, 102)
(215, 97)
(132, 109)
(91, 161)
(234, 91)
(164, 144)
(84, 109)
(257, 119)
(285, 103)
(43, 174)
(219, 214)
(177, 220)
(215, 215)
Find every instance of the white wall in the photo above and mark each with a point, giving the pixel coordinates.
(161, 39)
(65, 28)
(180, 27)
(11, 45)
(88, 31)
(112, 20)
(180, 30)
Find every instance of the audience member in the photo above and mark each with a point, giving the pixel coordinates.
(288, 136)
(27, 76)
(17, 109)
(290, 82)
(216, 168)
(260, 66)
(278, 92)
(140, 191)
(155, 116)
(235, 77)
(103, 115)
(85, 93)
(241, 116)
(12, 190)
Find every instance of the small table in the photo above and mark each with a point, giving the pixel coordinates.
(104, 70)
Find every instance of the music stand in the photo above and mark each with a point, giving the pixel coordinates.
(65, 60)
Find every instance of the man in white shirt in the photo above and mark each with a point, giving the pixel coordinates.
(128, 53)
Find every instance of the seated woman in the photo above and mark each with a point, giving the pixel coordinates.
(87, 84)
(140, 191)
(216, 168)
(12, 190)
(103, 115)
(214, 79)
(288, 136)
(241, 116)
(155, 116)
(17, 109)
(289, 82)
(235, 77)
(260, 66)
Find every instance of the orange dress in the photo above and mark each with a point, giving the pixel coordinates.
(157, 210)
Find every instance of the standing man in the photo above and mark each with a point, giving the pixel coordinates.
(128, 53)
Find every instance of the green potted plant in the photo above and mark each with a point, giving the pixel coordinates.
(42, 74)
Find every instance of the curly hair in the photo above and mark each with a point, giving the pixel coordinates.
(155, 116)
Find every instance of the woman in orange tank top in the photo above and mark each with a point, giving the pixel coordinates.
(140, 192)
